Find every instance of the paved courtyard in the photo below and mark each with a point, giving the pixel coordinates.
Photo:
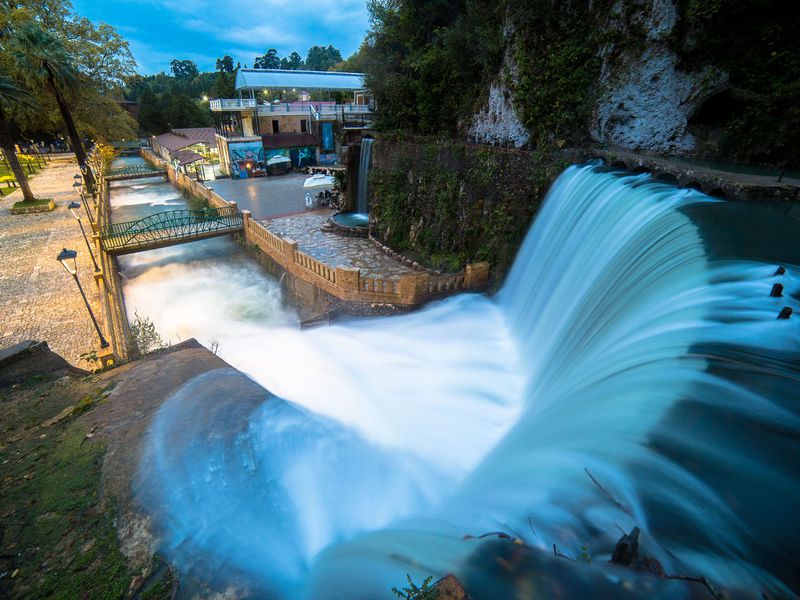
(333, 249)
(38, 298)
(265, 196)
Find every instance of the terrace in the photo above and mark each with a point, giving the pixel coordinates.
(273, 96)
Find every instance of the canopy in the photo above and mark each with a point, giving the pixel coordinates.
(318, 181)
(263, 79)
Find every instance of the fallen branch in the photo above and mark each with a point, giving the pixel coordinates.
(699, 579)
(606, 493)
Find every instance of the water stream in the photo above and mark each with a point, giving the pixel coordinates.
(635, 342)
(362, 201)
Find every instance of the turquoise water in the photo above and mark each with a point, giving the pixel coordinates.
(351, 219)
(635, 341)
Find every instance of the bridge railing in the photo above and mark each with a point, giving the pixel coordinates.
(169, 225)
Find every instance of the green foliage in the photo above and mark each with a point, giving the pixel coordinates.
(98, 59)
(556, 51)
(270, 60)
(183, 69)
(415, 592)
(171, 102)
(320, 58)
(756, 43)
(429, 63)
(145, 337)
(225, 64)
(293, 62)
(448, 203)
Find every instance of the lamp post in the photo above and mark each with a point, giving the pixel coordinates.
(72, 206)
(67, 260)
(79, 189)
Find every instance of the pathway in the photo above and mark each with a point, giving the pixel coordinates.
(38, 299)
(333, 249)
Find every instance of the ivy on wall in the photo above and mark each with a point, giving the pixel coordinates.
(448, 203)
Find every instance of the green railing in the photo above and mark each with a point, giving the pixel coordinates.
(168, 228)
(134, 171)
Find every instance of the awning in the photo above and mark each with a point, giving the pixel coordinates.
(274, 79)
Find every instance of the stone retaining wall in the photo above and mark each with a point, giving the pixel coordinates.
(117, 328)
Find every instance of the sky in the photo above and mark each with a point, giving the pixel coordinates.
(204, 30)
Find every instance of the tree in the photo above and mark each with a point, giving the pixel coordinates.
(355, 62)
(11, 93)
(183, 69)
(101, 59)
(224, 86)
(293, 62)
(321, 58)
(45, 64)
(225, 64)
(269, 61)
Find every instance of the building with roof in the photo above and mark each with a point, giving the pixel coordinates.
(275, 114)
(187, 146)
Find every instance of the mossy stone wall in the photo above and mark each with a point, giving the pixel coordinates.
(447, 203)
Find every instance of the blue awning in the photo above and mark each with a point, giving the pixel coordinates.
(275, 79)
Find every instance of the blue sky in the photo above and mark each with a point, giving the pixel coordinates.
(204, 30)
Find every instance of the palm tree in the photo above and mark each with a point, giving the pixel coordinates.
(11, 93)
(45, 63)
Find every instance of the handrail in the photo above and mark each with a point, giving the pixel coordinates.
(168, 225)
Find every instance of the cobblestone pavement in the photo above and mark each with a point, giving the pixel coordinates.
(334, 249)
(38, 298)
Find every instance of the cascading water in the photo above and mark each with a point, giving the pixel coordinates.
(631, 372)
(362, 201)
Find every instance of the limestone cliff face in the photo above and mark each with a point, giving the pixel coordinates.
(641, 98)
(497, 122)
(645, 100)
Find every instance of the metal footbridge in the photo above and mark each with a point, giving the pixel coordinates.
(169, 228)
(135, 172)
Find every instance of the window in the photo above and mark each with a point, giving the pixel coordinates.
(303, 126)
(276, 128)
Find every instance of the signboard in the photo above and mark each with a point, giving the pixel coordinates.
(247, 159)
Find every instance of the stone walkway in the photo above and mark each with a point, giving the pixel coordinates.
(38, 298)
(333, 249)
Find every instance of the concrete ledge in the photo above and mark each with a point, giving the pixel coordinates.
(743, 187)
(19, 208)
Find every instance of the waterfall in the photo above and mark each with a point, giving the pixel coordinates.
(630, 373)
(362, 204)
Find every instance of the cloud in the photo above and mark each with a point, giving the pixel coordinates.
(202, 30)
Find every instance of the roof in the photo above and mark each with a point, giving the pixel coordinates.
(200, 134)
(181, 138)
(172, 142)
(289, 140)
(184, 157)
(247, 79)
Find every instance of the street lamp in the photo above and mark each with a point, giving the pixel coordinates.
(72, 206)
(79, 189)
(67, 260)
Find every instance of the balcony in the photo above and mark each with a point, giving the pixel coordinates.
(232, 104)
(317, 110)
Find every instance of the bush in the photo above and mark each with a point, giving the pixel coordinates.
(145, 337)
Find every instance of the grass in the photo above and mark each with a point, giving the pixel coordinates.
(36, 202)
(57, 535)
(6, 176)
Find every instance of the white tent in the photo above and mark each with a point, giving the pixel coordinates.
(318, 181)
